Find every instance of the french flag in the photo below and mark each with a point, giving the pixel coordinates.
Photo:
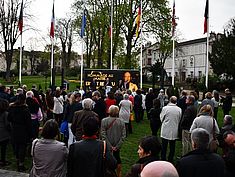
(52, 30)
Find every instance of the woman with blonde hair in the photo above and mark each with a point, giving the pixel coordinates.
(206, 120)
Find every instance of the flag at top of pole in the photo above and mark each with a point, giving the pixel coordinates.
(173, 19)
(138, 21)
(52, 29)
(83, 24)
(20, 22)
(206, 17)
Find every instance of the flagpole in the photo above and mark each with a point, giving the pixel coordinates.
(207, 47)
(173, 46)
(52, 47)
(141, 48)
(20, 67)
(207, 53)
(82, 64)
(173, 63)
(111, 32)
(82, 34)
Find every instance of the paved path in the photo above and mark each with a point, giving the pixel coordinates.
(7, 173)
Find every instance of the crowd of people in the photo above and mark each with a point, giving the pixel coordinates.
(98, 123)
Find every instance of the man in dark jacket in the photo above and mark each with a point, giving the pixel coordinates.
(100, 106)
(227, 102)
(189, 115)
(80, 117)
(86, 156)
(200, 162)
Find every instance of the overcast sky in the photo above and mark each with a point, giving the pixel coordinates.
(189, 12)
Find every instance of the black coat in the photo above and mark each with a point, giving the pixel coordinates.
(201, 163)
(100, 108)
(189, 115)
(85, 159)
(20, 119)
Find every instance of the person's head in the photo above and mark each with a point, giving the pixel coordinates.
(206, 109)
(208, 95)
(156, 103)
(87, 104)
(110, 95)
(77, 96)
(4, 104)
(138, 92)
(90, 126)
(20, 99)
(24, 87)
(149, 146)
(19, 91)
(200, 138)
(190, 100)
(96, 95)
(194, 94)
(229, 139)
(159, 169)
(29, 94)
(215, 94)
(127, 77)
(150, 90)
(183, 93)
(50, 129)
(227, 91)
(113, 111)
(228, 120)
(173, 99)
(126, 96)
(161, 92)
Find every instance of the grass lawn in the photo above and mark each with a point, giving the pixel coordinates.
(129, 149)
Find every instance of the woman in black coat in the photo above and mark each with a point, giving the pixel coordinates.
(148, 151)
(154, 116)
(20, 119)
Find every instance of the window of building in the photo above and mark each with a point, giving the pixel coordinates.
(149, 52)
(184, 63)
(154, 56)
(149, 61)
(191, 73)
(176, 74)
(199, 73)
(169, 74)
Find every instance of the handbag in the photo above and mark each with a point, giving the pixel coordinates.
(107, 172)
(214, 142)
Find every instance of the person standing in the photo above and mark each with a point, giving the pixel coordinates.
(21, 133)
(187, 119)
(150, 96)
(86, 156)
(216, 100)
(58, 108)
(99, 106)
(227, 102)
(4, 131)
(148, 151)
(125, 111)
(80, 116)
(113, 131)
(49, 155)
(154, 116)
(170, 118)
(200, 162)
(138, 109)
(74, 105)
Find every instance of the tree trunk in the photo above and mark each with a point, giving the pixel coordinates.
(9, 54)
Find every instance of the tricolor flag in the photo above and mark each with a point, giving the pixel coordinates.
(20, 22)
(173, 20)
(83, 24)
(206, 17)
(52, 30)
(138, 21)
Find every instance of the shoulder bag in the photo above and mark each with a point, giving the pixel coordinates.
(213, 146)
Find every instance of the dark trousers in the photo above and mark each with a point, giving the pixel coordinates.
(164, 149)
(155, 126)
(3, 145)
(215, 112)
(138, 114)
(20, 151)
(58, 118)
